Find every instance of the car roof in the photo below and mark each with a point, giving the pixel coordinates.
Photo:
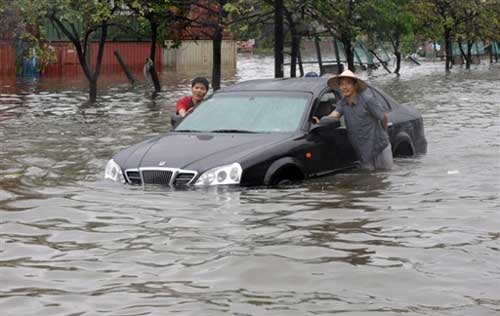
(314, 85)
(310, 84)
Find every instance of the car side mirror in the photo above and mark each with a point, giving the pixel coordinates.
(326, 123)
(175, 119)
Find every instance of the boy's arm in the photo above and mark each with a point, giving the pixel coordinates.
(182, 106)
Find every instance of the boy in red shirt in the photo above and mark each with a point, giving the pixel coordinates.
(199, 89)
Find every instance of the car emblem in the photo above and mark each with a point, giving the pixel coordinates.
(162, 163)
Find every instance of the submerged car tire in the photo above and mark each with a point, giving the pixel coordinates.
(286, 176)
(403, 146)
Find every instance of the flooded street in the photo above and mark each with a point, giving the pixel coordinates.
(422, 239)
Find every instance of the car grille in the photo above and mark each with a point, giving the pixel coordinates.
(183, 178)
(162, 176)
(134, 177)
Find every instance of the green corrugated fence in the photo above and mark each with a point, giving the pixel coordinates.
(477, 49)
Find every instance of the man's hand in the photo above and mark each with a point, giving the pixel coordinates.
(386, 121)
(335, 114)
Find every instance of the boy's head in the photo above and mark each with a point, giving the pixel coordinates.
(199, 88)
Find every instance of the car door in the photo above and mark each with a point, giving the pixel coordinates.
(332, 148)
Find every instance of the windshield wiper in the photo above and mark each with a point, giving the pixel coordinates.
(232, 131)
(187, 131)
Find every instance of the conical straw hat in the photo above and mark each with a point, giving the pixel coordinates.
(334, 81)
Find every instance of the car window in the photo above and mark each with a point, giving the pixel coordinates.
(372, 93)
(326, 104)
(329, 96)
(248, 112)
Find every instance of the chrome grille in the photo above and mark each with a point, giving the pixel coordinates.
(134, 177)
(183, 178)
(161, 177)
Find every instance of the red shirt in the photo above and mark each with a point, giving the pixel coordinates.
(184, 103)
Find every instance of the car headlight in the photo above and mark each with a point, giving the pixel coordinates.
(113, 172)
(228, 174)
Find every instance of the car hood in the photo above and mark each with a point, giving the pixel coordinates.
(196, 151)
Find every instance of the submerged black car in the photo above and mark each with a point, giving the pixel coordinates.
(260, 132)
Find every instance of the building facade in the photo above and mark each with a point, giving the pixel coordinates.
(194, 47)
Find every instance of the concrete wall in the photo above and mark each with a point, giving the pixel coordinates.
(198, 54)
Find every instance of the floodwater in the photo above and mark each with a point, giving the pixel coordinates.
(422, 239)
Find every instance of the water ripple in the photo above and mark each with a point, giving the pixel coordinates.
(422, 239)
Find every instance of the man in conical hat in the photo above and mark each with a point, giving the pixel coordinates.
(366, 122)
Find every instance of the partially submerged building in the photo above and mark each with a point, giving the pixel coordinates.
(191, 47)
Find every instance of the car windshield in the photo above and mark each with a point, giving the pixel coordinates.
(255, 112)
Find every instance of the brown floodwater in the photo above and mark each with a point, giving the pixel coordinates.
(422, 239)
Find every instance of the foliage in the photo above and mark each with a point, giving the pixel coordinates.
(429, 23)
(341, 18)
(479, 20)
(386, 20)
(475, 19)
(160, 14)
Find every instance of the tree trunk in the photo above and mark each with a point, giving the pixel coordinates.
(469, 54)
(447, 48)
(349, 54)
(295, 52)
(349, 51)
(293, 64)
(278, 39)
(125, 69)
(299, 59)
(464, 55)
(477, 53)
(82, 52)
(93, 90)
(100, 52)
(152, 56)
(496, 52)
(337, 55)
(398, 62)
(491, 53)
(397, 53)
(217, 60)
(98, 63)
(295, 43)
(318, 55)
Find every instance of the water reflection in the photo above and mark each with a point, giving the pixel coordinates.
(421, 239)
